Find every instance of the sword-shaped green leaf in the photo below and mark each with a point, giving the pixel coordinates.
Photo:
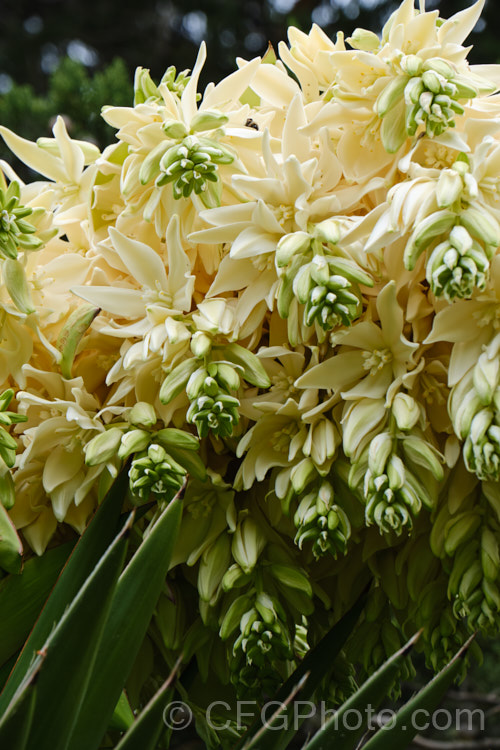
(135, 598)
(402, 729)
(66, 659)
(145, 732)
(22, 597)
(16, 722)
(6, 669)
(89, 549)
(338, 731)
(123, 716)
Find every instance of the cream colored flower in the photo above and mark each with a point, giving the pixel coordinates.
(154, 306)
(69, 165)
(176, 145)
(469, 325)
(51, 477)
(290, 436)
(372, 359)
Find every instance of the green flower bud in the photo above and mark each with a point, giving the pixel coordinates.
(396, 473)
(7, 488)
(232, 618)
(17, 285)
(204, 120)
(196, 384)
(449, 188)
(263, 644)
(11, 548)
(413, 91)
(301, 474)
(292, 577)
(482, 225)
(390, 497)
(291, 245)
(144, 87)
(349, 270)
(462, 416)
(319, 270)
(217, 412)
(177, 82)
(234, 578)
(155, 471)
(405, 410)
(459, 529)
(490, 554)
(253, 371)
(174, 129)
(464, 89)
(176, 381)
(7, 441)
(201, 344)
(227, 377)
(433, 81)
(381, 447)
(150, 167)
(440, 66)
(266, 607)
(486, 378)
(172, 439)
(247, 545)
(133, 441)
(191, 166)
(482, 446)
(327, 231)
(364, 40)
(412, 65)
(214, 564)
(423, 454)
(5, 399)
(302, 283)
(322, 523)
(103, 447)
(142, 414)
(15, 231)
(72, 333)
(390, 96)
(426, 231)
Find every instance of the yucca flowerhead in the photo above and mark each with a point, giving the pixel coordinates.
(279, 296)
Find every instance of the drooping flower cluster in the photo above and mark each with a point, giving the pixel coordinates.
(283, 293)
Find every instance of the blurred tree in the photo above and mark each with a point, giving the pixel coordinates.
(69, 57)
(72, 92)
(158, 33)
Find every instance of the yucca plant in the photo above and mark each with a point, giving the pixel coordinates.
(67, 686)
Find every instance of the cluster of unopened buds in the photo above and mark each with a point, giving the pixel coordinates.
(320, 520)
(430, 92)
(213, 408)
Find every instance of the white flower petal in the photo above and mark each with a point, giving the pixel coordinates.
(125, 303)
(143, 263)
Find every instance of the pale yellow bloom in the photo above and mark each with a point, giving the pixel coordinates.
(469, 325)
(51, 476)
(372, 359)
(155, 126)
